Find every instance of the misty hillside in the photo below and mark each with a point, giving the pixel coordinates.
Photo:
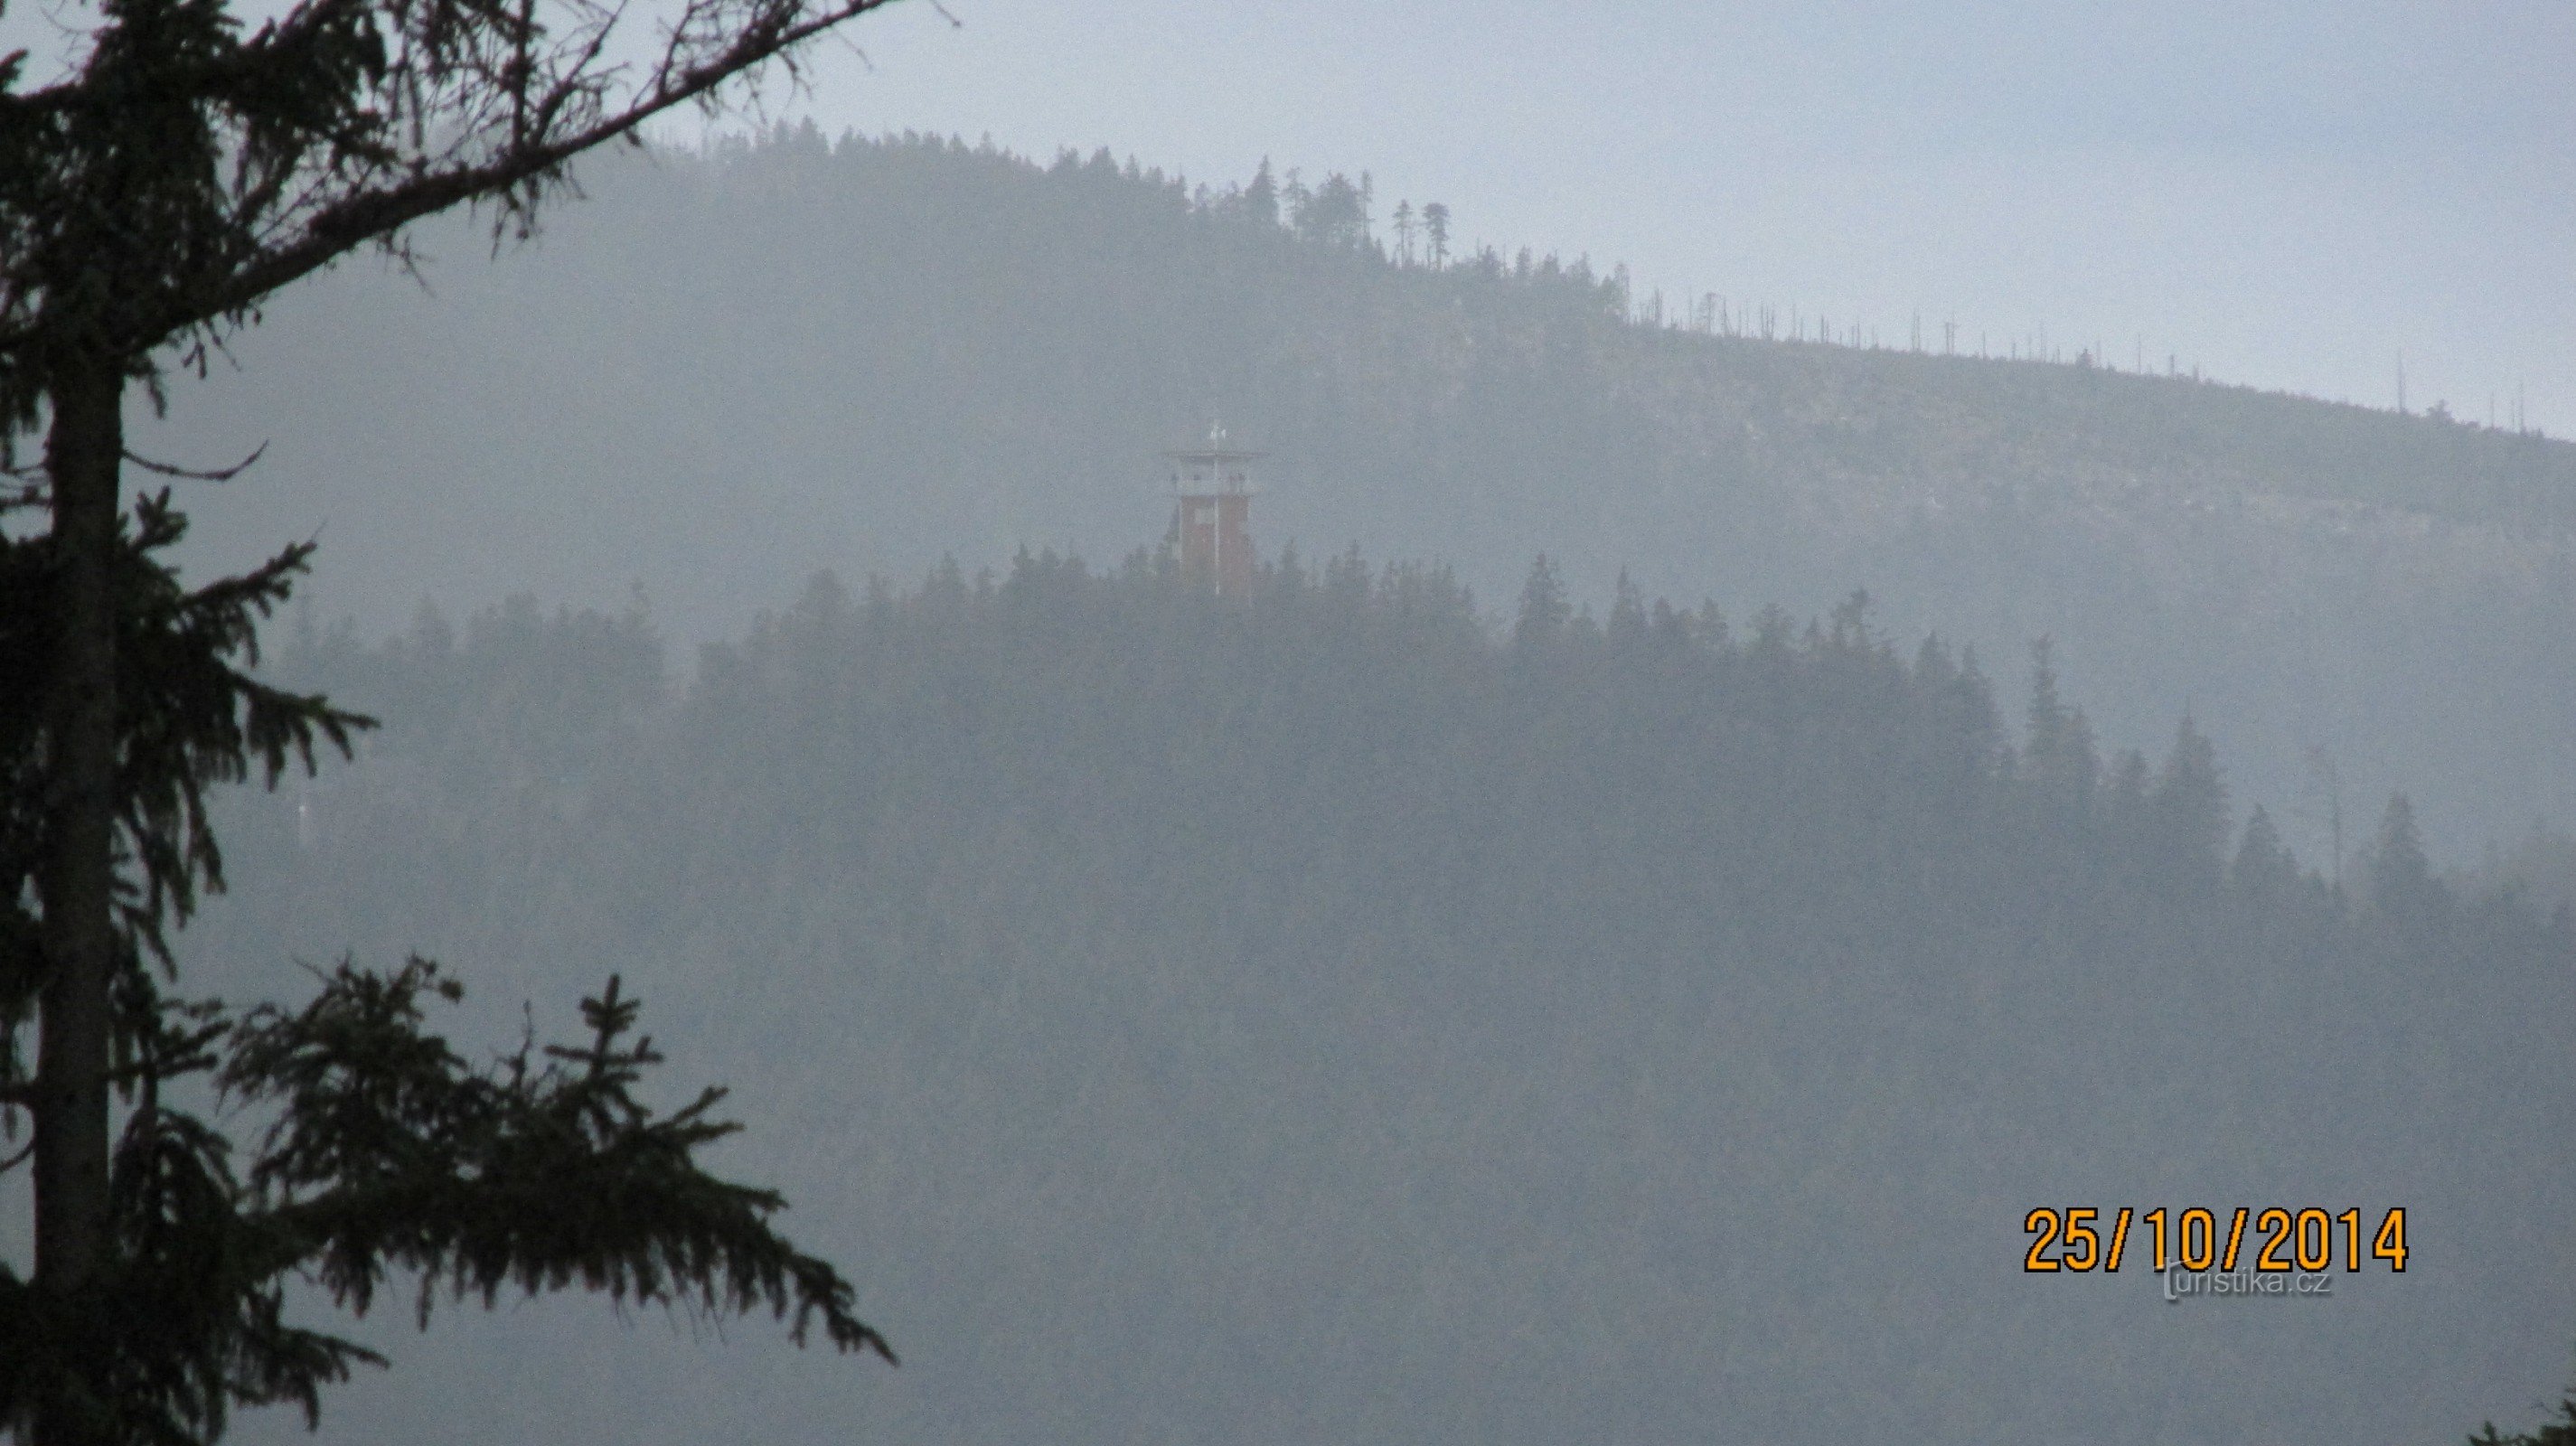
(723, 372)
(1314, 1019)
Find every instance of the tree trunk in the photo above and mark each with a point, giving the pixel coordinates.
(84, 452)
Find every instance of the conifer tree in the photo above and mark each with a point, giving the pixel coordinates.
(2263, 865)
(1544, 610)
(2402, 885)
(185, 166)
(1261, 197)
(383, 1151)
(2189, 811)
(2059, 755)
(1334, 213)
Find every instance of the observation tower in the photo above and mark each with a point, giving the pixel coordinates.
(1211, 512)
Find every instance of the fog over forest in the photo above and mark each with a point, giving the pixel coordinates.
(1690, 834)
(719, 375)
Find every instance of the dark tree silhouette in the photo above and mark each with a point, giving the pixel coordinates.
(383, 1149)
(2561, 1432)
(182, 170)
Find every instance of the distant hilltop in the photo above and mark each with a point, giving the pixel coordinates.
(872, 354)
(1937, 398)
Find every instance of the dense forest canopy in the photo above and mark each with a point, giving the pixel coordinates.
(1326, 1015)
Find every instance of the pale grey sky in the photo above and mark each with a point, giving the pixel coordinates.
(2289, 194)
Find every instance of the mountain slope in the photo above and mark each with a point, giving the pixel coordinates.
(730, 370)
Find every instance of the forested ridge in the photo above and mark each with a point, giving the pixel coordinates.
(1369, 986)
(789, 354)
(1321, 1016)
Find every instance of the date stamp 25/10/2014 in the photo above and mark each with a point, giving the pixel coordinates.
(2078, 1239)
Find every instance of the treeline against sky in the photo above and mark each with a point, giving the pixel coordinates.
(2456, 469)
(792, 354)
(1315, 1016)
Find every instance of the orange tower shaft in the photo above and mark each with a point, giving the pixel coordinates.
(1216, 541)
(1212, 515)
